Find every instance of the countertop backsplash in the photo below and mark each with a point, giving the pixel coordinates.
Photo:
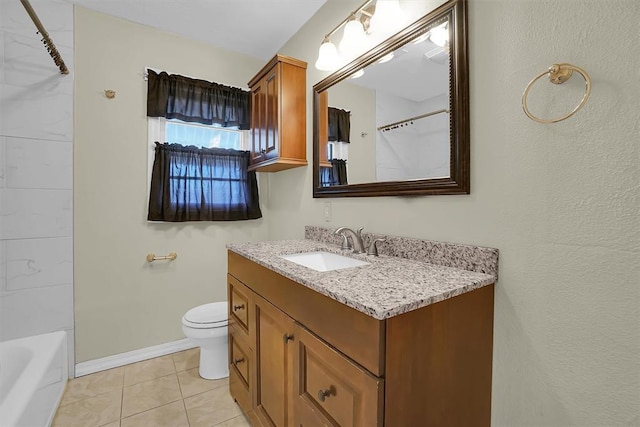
(467, 257)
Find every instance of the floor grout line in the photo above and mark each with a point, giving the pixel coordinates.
(182, 398)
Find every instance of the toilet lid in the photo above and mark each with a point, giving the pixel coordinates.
(214, 313)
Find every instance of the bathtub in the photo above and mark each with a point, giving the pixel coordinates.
(33, 375)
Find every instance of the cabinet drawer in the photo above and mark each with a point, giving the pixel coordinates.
(332, 390)
(240, 371)
(239, 300)
(240, 359)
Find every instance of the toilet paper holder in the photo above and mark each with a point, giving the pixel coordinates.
(170, 257)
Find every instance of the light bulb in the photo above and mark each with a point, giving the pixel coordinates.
(354, 40)
(328, 59)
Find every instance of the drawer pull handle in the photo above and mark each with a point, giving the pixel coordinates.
(237, 361)
(238, 307)
(287, 337)
(323, 394)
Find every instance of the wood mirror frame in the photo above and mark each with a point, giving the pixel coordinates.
(458, 181)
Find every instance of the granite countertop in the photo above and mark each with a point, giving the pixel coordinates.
(389, 286)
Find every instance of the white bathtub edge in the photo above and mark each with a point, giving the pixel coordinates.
(117, 360)
(47, 348)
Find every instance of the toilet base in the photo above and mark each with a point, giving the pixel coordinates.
(214, 360)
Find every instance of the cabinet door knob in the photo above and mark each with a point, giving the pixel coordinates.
(287, 337)
(323, 394)
(236, 361)
(238, 307)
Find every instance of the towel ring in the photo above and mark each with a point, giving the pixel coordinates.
(558, 74)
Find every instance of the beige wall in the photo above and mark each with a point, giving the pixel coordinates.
(559, 201)
(122, 303)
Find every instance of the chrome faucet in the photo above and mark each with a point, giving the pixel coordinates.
(356, 239)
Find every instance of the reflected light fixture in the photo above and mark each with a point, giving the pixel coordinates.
(388, 57)
(440, 35)
(358, 73)
(354, 40)
(421, 38)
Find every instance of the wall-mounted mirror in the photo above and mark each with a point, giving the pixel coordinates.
(395, 121)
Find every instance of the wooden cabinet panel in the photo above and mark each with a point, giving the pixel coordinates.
(240, 360)
(271, 84)
(240, 371)
(258, 125)
(323, 128)
(274, 334)
(329, 389)
(238, 295)
(278, 115)
(440, 372)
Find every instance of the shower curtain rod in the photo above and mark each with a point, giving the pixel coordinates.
(51, 48)
(401, 122)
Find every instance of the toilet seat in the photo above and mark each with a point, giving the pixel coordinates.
(207, 316)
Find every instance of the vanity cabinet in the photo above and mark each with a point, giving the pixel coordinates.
(278, 115)
(314, 361)
(330, 389)
(274, 355)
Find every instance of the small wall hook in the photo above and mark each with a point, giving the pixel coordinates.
(110, 93)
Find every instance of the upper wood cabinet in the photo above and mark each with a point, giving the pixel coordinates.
(278, 115)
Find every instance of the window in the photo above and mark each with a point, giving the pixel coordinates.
(198, 164)
(206, 136)
(203, 176)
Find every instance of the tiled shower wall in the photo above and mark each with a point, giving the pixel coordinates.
(36, 173)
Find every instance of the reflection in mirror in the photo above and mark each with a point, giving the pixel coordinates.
(405, 105)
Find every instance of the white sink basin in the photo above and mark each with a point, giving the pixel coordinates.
(324, 261)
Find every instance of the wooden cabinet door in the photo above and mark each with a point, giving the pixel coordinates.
(331, 390)
(258, 122)
(278, 115)
(240, 370)
(274, 352)
(239, 297)
(271, 87)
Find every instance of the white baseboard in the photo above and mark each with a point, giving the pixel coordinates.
(117, 360)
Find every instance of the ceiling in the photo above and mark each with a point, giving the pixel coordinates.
(417, 72)
(258, 28)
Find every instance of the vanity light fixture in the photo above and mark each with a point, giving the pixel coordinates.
(354, 39)
(328, 59)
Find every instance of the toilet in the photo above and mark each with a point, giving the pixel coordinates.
(207, 325)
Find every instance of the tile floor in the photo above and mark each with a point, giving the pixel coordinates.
(165, 391)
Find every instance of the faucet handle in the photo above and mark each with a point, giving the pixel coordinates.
(373, 249)
(359, 232)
